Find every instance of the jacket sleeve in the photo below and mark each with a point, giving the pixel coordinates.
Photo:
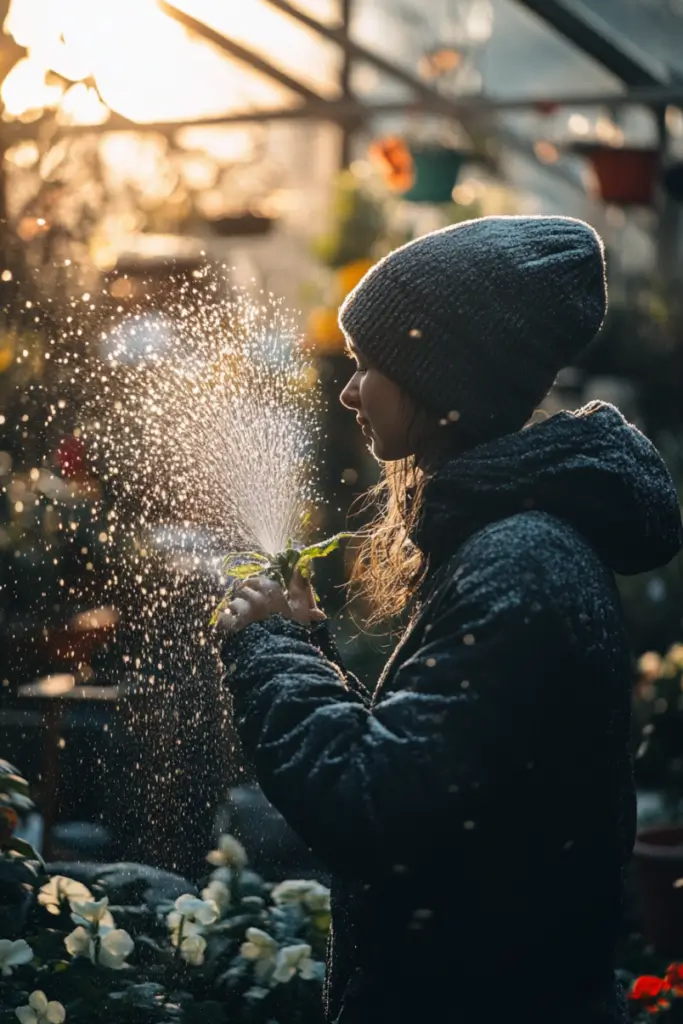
(321, 637)
(369, 787)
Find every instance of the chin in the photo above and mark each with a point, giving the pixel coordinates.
(386, 452)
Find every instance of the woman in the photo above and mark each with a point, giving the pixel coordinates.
(477, 809)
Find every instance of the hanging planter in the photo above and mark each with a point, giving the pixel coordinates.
(436, 174)
(421, 174)
(626, 176)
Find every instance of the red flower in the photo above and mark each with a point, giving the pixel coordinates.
(650, 992)
(674, 978)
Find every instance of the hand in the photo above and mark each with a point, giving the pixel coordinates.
(258, 597)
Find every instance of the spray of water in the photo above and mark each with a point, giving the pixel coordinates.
(204, 418)
(209, 415)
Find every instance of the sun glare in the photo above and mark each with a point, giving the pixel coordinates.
(147, 66)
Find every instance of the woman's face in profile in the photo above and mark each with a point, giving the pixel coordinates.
(387, 416)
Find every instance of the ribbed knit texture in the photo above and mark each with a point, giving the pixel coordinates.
(477, 319)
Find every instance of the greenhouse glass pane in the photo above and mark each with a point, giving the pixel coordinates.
(147, 66)
(653, 27)
(286, 43)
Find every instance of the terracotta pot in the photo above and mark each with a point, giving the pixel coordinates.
(626, 176)
(658, 856)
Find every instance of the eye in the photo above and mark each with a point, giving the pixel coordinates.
(354, 359)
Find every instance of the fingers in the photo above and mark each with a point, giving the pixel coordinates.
(301, 589)
(302, 600)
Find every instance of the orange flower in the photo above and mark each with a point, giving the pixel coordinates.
(650, 992)
(394, 160)
(674, 978)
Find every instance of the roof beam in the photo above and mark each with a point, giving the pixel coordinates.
(340, 110)
(428, 99)
(240, 53)
(595, 37)
(339, 35)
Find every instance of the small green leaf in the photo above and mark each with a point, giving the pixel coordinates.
(304, 566)
(244, 571)
(245, 556)
(324, 547)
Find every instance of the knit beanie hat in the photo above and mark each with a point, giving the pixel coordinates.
(475, 321)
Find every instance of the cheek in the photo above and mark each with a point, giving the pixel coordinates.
(373, 394)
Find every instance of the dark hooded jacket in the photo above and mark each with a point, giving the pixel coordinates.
(477, 810)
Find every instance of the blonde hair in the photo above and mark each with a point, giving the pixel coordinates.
(389, 567)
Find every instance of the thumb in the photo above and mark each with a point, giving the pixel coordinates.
(302, 598)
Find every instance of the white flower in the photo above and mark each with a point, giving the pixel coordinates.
(259, 945)
(174, 921)
(92, 912)
(230, 853)
(80, 943)
(115, 946)
(190, 916)
(192, 949)
(195, 910)
(60, 889)
(293, 960)
(312, 894)
(261, 948)
(218, 893)
(12, 954)
(39, 1010)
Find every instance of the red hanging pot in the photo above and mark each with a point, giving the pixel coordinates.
(626, 176)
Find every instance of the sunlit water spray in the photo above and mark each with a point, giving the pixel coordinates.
(205, 419)
(209, 414)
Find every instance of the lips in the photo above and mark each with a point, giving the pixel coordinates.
(363, 424)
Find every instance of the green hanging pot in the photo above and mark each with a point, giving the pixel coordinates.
(436, 171)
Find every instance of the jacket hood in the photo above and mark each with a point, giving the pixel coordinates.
(590, 467)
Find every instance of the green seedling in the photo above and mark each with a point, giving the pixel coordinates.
(244, 565)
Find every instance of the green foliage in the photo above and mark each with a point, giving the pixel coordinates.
(357, 224)
(244, 565)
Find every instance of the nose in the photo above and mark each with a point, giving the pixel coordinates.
(350, 395)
